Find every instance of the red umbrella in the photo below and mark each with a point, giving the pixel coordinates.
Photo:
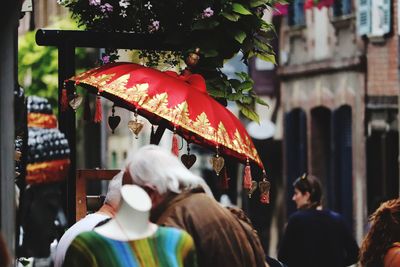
(181, 100)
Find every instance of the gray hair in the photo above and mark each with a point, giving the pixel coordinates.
(154, 166)
(113, 196)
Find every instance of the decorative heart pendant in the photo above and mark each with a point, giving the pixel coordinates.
(76, 101)
(135, 127)
(253, 188)
(217, 163)
(265, 186)
(188, 160)
(113, 122)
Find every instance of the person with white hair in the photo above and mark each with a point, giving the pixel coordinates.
(90, 221)
(182, 199)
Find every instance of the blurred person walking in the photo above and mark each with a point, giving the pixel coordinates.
(381, 245)
(222, 237)
(315, 237)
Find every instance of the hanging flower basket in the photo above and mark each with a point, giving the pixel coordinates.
(218, 29)
(317, 3)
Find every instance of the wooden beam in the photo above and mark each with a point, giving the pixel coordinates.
(82, 176)
(118, 40)
(66, 124)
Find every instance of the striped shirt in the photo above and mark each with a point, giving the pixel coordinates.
(167, 247)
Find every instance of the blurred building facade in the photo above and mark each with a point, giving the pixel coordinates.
(43, 13)
(339, 84)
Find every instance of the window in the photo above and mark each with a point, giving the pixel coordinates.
(341, 8)
(374, 17)
(296, 13)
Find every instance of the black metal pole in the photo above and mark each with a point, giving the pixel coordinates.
(66, 121)
(118, 40)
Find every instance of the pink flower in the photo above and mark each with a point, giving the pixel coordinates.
(94, 2)
(106, 8)
(155, 26)
(208, 12)
(105, 59)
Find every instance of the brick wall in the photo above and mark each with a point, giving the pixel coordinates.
(382, 62)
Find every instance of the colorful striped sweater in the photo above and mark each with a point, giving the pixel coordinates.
(167, 247)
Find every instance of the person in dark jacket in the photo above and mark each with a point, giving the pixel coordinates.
(316, 237)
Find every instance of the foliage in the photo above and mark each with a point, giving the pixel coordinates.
(38, 65)
(219, 28)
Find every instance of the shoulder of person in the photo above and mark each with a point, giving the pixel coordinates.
(300, 215)
(392, 257)
(239, 214)
(334, 214)
(171, 230)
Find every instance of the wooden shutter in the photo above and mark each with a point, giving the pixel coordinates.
(364, 17)
(386, 7)
(299, 18)
(342, 174)
(295, 151)
(380, 14)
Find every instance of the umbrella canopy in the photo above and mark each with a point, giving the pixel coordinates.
(180, 100)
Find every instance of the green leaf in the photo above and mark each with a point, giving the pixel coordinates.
(248, 112)
(251, 54)
(234, 97)
(235, 83)
(210, 53)
(240, 36)
(245, 86)
(266, 26)
(240, 9)
(216, 92)
(230, 16)
(267, 57)
(242, 75)
(256, 3)
(260, 101)
(246, 99)
(204, 24)
(262, 45)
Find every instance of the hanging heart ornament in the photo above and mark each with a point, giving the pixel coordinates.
(113, 122)
(76, 101)
(188, 160)
(217, 163)
(135, 126)
(265, 186)
(253, 188)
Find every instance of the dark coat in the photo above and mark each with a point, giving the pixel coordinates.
(221, 238)
(316, 238)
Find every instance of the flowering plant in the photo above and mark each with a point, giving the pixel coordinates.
(219, 28)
